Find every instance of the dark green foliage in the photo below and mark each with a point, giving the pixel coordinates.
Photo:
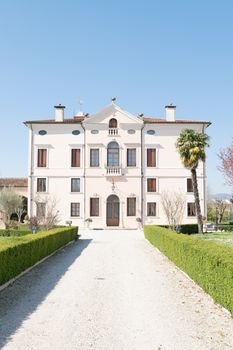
(189, 228)
(13, 233)
(208, 263)
(226, 228)
(19, 253)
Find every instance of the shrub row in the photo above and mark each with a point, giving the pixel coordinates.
(13, 233)
(208, 263)
(226, 228)
(19, 253)
(186, 228)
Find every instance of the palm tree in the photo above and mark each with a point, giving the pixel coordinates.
(191, 147)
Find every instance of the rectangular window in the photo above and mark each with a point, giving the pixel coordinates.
(151, 185)
(94, 206)
(131, 206)
(131, 156)
(189, 185)
(151, 209)
(94, 157)
(75, 185)
(151, 157)
(191, 210)
(75, 157)
(42, 157)
(41, 185)
(75, 209)
(40, 210)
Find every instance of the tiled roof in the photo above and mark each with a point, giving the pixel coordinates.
(52, 121)
(145, 119)
(13, 181)
(177, 121)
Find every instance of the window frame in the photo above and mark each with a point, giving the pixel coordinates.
(147, 158)
(41, 148)
(147, 209)
(115, 153)
(97, 213)
(71, 209)
(113, 120)
(75, 178)
(77, 149)
(187, 185)
(195, 213)
(147, 184)
(37, 183)
(90, 157)
(132, 208)
(131, 149)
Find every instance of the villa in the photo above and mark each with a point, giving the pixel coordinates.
(109, 169)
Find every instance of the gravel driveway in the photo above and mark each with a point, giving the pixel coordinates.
(110, 291)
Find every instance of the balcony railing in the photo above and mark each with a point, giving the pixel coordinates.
(113, 171)
(112, 131)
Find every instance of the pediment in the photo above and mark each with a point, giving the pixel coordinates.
(113, 111)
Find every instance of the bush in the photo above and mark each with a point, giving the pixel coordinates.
(13, 233)
(226, 228)
(19, 253)
(189, 229)
(12, 224)
(208, 263)
(186, 229)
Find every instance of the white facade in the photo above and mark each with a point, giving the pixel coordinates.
(118, 171)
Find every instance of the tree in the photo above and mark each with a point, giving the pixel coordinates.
(49, 217)
(216, 209)
(173, 204)
(9, 202)
(191, 146)
(226, 164)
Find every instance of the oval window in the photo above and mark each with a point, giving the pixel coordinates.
(42, 132)
(94, 131)
(75, 132)
(131, 131)
(150, 132)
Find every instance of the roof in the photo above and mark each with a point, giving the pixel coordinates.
(13, 181)
(78, 120)
(52, 121)
(176, 121)
(113, 107)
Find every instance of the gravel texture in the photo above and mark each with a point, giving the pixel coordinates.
(111, 290)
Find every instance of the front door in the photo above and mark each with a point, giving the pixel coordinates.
(113, 210)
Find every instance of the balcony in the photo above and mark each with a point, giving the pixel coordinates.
(113, 171)
(112, 132)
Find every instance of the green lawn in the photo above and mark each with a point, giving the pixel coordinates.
(221, 237)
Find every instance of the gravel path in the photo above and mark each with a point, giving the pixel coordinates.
(110, 291)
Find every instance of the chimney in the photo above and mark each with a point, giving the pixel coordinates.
(170, 113)
(59, 113)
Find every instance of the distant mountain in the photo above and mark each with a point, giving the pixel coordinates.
(221, 196)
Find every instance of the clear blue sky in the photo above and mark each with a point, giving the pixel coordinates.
(147, 53)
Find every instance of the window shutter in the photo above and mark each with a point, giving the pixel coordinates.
(75, 157)
(189, 185)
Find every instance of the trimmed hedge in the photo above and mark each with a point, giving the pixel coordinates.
(13, 233)
(189, 228)
(19, 253)
(186, 228)
(208, 263)
(226, 228)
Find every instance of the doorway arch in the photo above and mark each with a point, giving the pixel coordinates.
(113, 210)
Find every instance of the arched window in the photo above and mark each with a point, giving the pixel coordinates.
(113, 154)
(113, 123)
